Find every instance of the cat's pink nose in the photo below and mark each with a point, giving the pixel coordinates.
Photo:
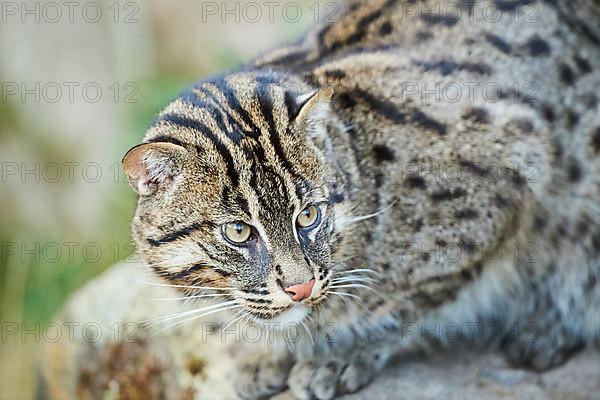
(301, 291)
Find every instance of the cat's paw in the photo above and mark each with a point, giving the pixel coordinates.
(541, 350)
(261, 377)
(328, 377)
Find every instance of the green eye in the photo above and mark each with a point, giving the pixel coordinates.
(237, 232)
(307, 217)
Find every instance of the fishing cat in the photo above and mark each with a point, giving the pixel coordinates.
(411, 165)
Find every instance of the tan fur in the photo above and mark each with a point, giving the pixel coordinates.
(508, 180)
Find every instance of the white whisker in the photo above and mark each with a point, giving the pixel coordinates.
(354, 279)
(188, 287)
(193, 297)
(236, 319)
(197, 316)
(308, 331)
(353, 285)
(184, 313)
(345, 294)
(366, 270)
(364, 217)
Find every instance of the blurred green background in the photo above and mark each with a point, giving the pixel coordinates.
(80, 82)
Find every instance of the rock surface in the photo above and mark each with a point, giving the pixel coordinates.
(194, 361)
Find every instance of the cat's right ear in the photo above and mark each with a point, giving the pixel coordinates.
(150, 166)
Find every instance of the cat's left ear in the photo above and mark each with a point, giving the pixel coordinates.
(307, 106)
(151, 166)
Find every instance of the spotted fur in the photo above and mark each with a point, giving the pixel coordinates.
(345, 119)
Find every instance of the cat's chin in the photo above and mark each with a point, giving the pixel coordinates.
(288, 317)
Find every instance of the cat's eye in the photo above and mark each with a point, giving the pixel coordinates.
(237, 232)
(308, 217)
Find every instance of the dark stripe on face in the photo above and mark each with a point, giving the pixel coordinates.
(167, 139)
(191, 98)
(189, 123)
(263, 292)
(185, 272)
(234, 103)
(291, 105)
(266, 106)
(173, 236)
(229, 200)
(233, 134)
(259, 301)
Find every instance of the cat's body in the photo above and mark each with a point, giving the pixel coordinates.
(470, 147)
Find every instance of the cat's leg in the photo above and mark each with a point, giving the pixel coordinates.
(343, 371)
(261, 375)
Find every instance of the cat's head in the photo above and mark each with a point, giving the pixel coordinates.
(238, 191)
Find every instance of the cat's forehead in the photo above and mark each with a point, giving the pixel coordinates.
(243, 158)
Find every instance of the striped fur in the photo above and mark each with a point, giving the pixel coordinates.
(342, 119)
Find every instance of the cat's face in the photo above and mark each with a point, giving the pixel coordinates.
(236, 193)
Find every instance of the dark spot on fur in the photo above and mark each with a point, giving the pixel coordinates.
(498, 43)
(524, 125)
(447, 194)
(468, 245)
(583, 64)
(540, 221)
(415, 182)
(345, 100)
(596, 241)
(384, 108)
(439, 19)
(466, 213)
(500, 201)
(478, 267)
(511, 5)
(385, 266)
(417, 225)
(567, 76)
(278, 270)
(537, 46)
(423, 36)
(571, 118)
(331, 366)
(378, 179)
(447, 67)
(425, 257)
(590, 283)
(517, 96)
(558, 150)
(477, 114)
(574, 171)
(473, 168)
(517, 178)
(583, 226)
(548, 112)
(335, 74)
(595, 139)
(424, 121)
(383, 153)
(441, 242)
(337, 198)
(385, 29)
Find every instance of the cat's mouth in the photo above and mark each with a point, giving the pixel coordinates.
(277, 308)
